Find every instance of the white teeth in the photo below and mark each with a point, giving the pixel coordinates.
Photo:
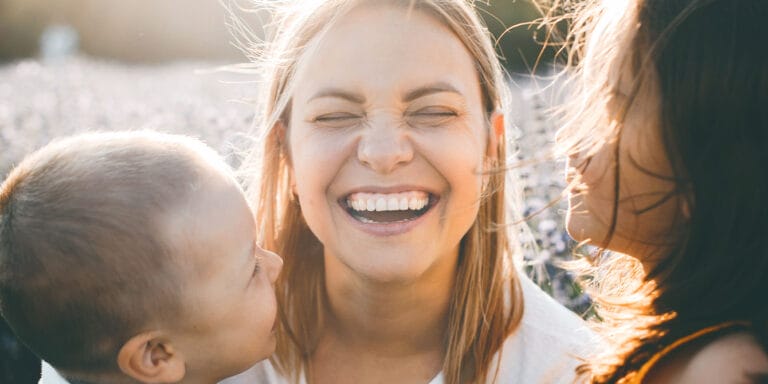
(403, 201)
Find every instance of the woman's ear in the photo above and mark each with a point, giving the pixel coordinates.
(151, 359)
(495, 135)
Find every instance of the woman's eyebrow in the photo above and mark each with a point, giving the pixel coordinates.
(340, 94)
(429, 89)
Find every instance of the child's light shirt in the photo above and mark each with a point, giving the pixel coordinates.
(48, 375)
(547, 347)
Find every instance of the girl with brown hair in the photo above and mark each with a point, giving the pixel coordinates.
(667, 135)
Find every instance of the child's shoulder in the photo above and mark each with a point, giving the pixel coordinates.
(49, 375)
(262, 372)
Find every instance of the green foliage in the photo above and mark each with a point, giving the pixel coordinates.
(518, 36)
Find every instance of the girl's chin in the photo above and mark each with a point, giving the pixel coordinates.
(579, 226)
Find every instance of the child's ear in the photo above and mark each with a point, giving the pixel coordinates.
(151, 359)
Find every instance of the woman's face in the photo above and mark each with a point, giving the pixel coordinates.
(387, 138)
(647, 209)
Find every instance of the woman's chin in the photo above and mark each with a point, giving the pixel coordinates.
(391, 274)
(388, 266)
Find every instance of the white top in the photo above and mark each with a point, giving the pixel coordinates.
(48, 375)
(546, 348)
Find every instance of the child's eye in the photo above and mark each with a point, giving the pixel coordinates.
(337, 119)
(432, 116)
(256, 266)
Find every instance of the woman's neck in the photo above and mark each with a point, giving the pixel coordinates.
(391, 318)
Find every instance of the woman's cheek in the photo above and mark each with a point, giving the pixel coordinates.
(456, 152)
(317, 151)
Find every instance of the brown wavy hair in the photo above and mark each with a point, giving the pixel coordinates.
(708, 61)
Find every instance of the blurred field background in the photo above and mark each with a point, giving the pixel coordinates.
(158, 31)
(71, 66)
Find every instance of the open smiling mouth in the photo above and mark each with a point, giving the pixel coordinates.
(387, 208)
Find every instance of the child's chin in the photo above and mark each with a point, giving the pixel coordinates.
(269, 348)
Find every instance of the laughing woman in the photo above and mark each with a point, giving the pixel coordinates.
(380, 185)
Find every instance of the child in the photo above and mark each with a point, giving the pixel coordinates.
(131, 257)
(668, 144)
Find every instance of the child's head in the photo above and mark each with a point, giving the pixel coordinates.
(667, 133)
(424, 75)
(134, 252)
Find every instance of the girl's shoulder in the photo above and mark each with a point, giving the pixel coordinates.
(725, 352)
(733, 357)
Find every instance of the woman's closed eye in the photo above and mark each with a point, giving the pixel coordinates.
(432, 116)
(337, 119)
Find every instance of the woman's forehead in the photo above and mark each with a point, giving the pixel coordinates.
(386, 46)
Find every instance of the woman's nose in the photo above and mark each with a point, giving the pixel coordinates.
(384, 147)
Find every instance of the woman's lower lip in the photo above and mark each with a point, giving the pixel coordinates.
(388, 229)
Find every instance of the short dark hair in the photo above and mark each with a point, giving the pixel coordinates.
(81, 247)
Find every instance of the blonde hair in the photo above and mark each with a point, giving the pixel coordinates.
(480, 315)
